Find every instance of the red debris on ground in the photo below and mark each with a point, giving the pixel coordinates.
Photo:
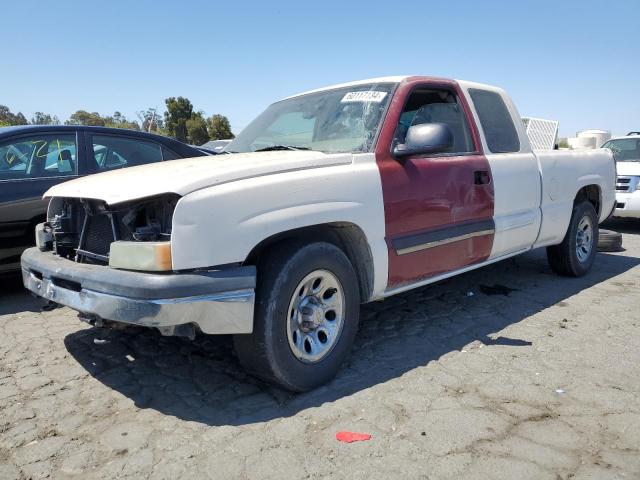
(349, 437)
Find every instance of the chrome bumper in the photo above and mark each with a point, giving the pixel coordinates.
(227, 308)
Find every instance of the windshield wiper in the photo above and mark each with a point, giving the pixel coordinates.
(273, 148)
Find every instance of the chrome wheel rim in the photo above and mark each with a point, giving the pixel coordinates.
(584, 239)
(315, 316)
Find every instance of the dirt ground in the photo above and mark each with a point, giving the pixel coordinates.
(456, 380)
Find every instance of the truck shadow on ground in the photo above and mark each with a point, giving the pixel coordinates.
(202, 380)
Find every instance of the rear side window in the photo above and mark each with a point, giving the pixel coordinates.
(496, 122)
(110, 152)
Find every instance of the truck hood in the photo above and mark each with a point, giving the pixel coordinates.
(628, 168)
(190, 174)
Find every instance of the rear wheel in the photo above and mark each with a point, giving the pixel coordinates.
(306, 316)
(575, 255)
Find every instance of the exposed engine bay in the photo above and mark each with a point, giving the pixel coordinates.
(83, 229)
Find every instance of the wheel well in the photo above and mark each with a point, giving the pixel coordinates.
(590, 193)
(346, 236)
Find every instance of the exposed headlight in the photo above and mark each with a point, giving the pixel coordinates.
(145, 256)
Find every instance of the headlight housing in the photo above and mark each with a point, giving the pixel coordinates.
(143, 256)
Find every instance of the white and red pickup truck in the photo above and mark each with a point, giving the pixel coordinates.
(328, 199)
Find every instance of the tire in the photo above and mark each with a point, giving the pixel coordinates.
(282, 348)
(609, 241)
(566, 258)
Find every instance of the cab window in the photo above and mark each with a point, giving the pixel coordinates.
(38, 156)
(111, 152)
(427, 105)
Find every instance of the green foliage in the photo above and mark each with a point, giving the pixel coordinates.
(82, 117)
(219, 127)
(94, 119)
(7, 118)
(120, 121)
(179, 111)
(197, 129)
(563, 143)
(40, 118)
(180, 121)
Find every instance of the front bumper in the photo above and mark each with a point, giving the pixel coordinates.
(627, 205)
(217, 301)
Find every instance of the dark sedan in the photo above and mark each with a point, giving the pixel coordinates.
(34, 158)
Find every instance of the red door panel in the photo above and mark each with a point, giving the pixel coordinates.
(438, 209)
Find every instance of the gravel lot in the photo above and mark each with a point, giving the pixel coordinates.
(542, 381)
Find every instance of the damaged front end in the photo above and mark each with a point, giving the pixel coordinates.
(133, 235)
(112, 263)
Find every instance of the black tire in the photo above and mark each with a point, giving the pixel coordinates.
(609, 241)
(266, 352)
(563, 258)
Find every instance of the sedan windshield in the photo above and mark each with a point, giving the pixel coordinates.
(341, 120)
(624, 149)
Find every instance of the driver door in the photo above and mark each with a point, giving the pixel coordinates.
(438, 207)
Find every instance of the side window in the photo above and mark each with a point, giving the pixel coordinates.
(496, 122)
(118, 152)
(38, 156)
(436, 106)
(169, 154)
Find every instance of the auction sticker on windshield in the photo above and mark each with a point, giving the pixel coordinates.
(364, 96)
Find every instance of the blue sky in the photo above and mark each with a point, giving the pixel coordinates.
(574, 61)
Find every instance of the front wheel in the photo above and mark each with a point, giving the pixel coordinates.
(575, 255)
(306, 316)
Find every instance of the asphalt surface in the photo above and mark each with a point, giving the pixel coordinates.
(505, 372)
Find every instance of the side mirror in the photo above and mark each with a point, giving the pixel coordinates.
(425, 138)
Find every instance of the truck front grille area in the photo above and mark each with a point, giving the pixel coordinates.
(98, 233)
(83, 229)
(627, 184)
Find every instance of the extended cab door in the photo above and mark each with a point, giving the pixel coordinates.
(515, 169)
(438, 207)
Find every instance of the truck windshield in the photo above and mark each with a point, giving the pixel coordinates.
(624, 149)
(331, 121)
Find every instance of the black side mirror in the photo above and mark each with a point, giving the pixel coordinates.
(425, 138)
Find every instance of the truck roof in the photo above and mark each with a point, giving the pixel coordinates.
(392, 79)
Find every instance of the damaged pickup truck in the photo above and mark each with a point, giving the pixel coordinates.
(330, 198)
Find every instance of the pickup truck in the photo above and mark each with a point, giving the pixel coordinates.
(626, 151)
(328, 199)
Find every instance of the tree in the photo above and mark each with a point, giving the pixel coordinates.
(150, 120)
(197, 129)
(82, 117)
(179, 111)
(40, 118)
(219, 128)
(8, 118)
(118, 120)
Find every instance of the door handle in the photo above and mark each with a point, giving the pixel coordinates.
(481, 177)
